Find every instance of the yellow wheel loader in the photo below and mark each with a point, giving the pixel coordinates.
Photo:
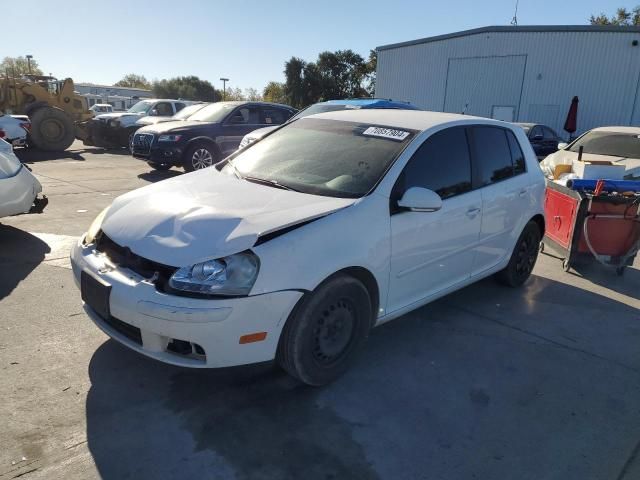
(58, 114)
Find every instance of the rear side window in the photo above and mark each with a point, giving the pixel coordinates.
(442, 164)
(492, 155)
(179, 106)
(274, 116)
(517, 157)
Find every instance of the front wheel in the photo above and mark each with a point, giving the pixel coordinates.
(325, 330)
(523, 258)
(198, 157)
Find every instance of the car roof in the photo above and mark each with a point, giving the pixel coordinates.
(371, 103)
(635, 130)
(412, 119)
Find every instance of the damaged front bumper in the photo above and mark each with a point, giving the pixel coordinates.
(98, 133)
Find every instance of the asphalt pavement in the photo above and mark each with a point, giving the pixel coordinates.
(537, 383)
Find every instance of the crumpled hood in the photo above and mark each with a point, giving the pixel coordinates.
(205, 215)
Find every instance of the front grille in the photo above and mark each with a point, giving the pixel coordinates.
(129, 331)
(141, 143)
(125, 258)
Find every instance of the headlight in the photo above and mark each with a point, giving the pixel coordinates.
(95, 227)
(233, 275)
(114, 123)
(169, 138)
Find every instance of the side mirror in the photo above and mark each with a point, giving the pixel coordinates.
(538, 137)
(418, 199)
(153, 113)
(562, 145)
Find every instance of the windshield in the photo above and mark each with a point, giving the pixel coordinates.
(321, 108)
(140, 107)
(214, 112)
(323, 157)
(616, 144)
(188, 111)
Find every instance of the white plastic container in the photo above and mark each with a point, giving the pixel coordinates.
(593, 171)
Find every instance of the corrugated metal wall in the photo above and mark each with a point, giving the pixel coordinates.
(602, 68)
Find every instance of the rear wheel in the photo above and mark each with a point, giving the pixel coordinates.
(523, 258)
(52, 129)
(159, 166)
(325, 331)
(199, 156)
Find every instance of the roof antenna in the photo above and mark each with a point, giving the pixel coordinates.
(514, 20)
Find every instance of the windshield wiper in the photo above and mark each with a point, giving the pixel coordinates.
(270, 183)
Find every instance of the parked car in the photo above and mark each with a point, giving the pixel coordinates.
(330, 106)
(619, 145)
(99, 108)
(183, 114)
(14, 129)
(116, 129)
(543, 139)
(207, 136)
(294, 247)
(19, 189)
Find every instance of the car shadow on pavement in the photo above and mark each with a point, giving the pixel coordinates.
(445, 392)
(157, 175)
(20, 254)
(34, 155)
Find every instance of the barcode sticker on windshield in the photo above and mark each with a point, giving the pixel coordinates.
(389, 133)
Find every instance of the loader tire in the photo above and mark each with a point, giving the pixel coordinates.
(52, 129)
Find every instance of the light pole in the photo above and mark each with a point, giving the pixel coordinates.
(224, 87)
(29, 57)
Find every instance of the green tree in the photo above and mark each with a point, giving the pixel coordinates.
(187, 88)
(252, 95)
(371, 67)
(294, 85)
(275, 92)
(19, 66)
(622, 17)
(234, 94)
(133, 80)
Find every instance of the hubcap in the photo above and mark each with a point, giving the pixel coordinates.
(52, 129)
(333, 331)
(201, 158)
(527, 254)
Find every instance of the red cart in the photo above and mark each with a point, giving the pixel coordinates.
(581, 225)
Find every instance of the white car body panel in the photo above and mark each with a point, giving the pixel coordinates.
(18, 186)
(566, 157)
(14, 133)
(256, 135)
(414, 257)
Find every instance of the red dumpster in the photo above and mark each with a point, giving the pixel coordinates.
(582, 225)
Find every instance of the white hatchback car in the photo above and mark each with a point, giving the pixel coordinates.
(19, 189)
(295, 247)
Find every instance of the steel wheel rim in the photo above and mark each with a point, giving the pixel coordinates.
(201, 158)
(527, 254)
(333, 332)
(52, 129)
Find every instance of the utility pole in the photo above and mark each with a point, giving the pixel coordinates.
(29, 57)
(224, 87)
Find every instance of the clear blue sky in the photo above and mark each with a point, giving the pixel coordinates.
(247, 41)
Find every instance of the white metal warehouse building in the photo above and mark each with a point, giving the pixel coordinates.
(520, 73)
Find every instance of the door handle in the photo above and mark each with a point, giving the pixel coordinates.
(472, 212)
(522, 192)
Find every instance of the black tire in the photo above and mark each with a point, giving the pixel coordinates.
(159, 166)
(52, 129)
(523, 258)
(198, 156)
(325, 331)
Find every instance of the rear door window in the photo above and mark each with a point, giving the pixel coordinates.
(246, 115)
(442, 164)
(517, 157)
(274, 116)
(164, 109)
(491, 155)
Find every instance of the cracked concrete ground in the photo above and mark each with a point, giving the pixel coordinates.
(486, 383)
